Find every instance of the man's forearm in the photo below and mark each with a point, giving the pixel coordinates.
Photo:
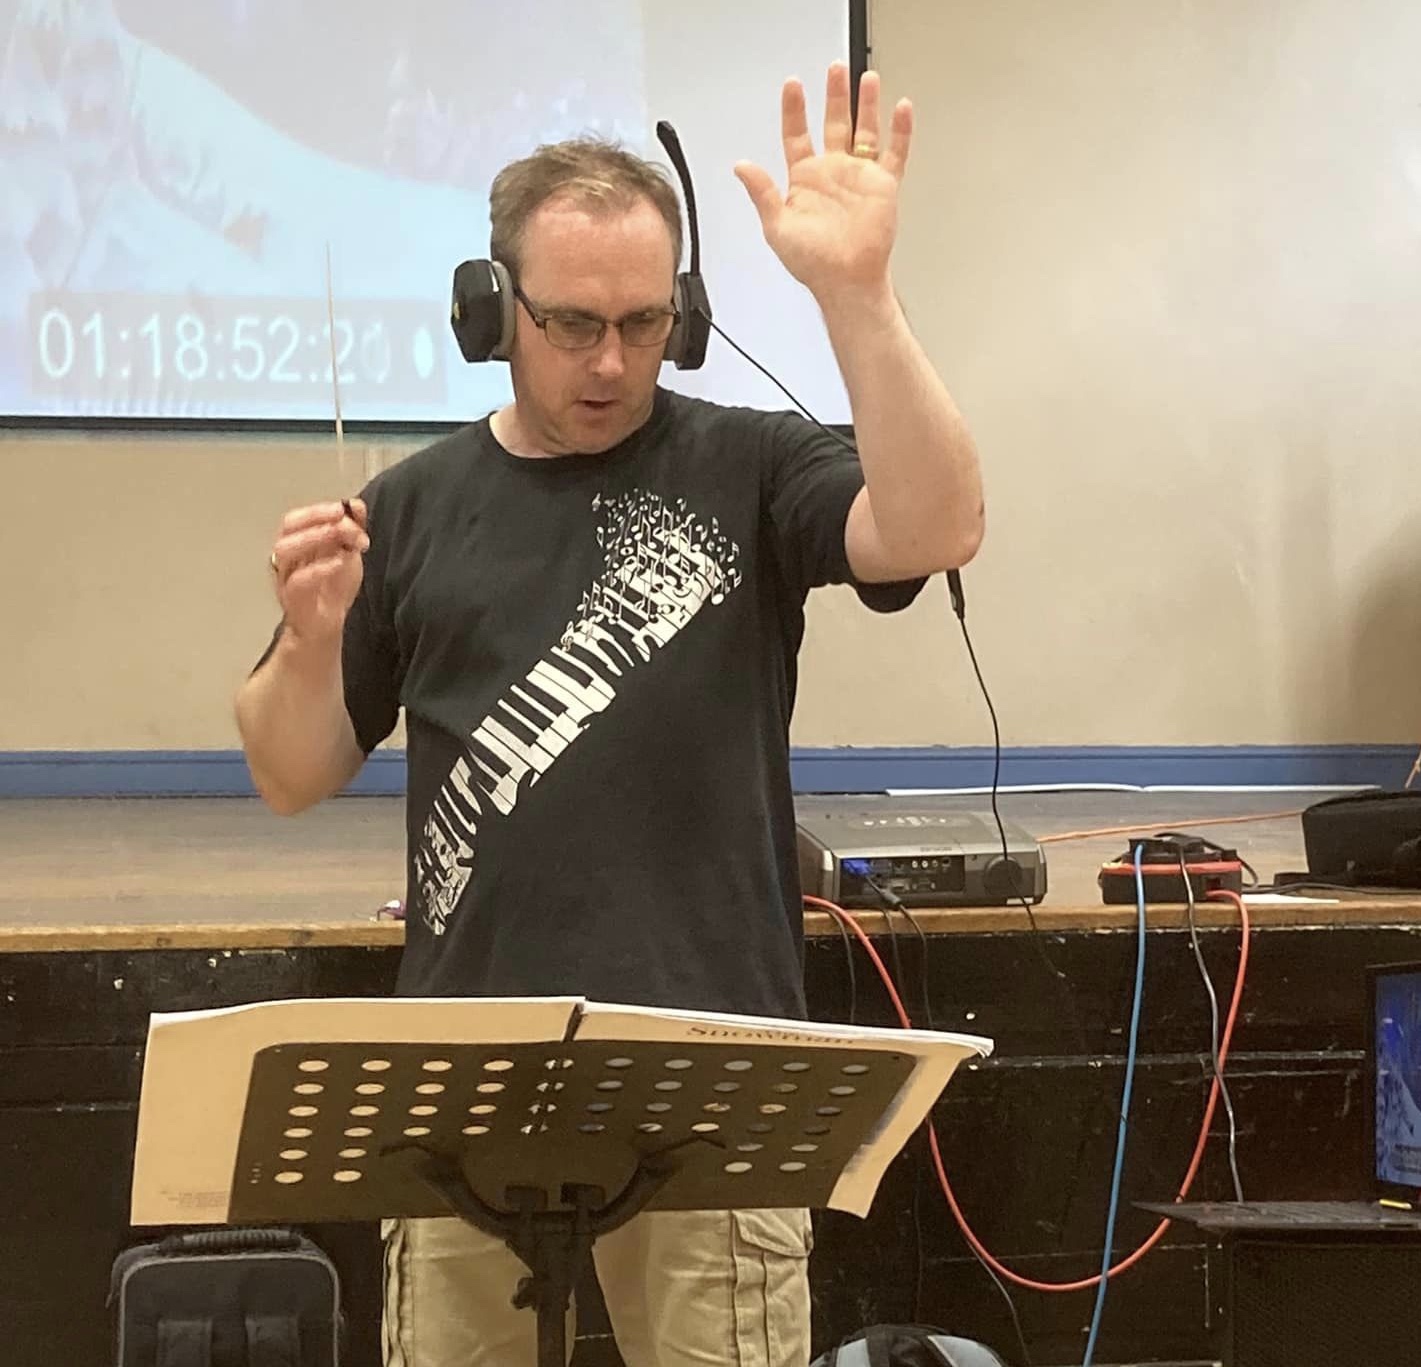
(920, 462)
(299, 741)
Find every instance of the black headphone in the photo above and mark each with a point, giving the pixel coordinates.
(484, 309)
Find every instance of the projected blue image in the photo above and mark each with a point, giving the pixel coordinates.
(172, 174)
(1398, 1099)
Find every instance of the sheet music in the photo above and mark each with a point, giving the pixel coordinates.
(199, 1063)
(600, 1021)
(937, 1053)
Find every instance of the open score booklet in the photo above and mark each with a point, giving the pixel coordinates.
(198, 1065)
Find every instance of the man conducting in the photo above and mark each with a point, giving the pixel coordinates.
(589, 606)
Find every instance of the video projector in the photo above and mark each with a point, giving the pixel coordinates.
(927, 850)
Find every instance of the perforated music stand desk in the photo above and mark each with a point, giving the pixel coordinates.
(549, 1145)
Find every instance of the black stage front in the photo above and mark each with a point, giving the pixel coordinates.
(110, 909)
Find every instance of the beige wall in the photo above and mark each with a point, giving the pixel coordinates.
(1166, 255)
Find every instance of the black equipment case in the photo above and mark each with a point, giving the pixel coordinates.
(226, 1298)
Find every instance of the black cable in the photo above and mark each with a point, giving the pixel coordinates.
(1351, 889)
(923, 1164)
(954, 584)
(961, 614)
(1011, 1308)
(959, 607)
(849, 963)
(893, 950)
(1102, 1098)
(920, 1160)
(923, 949)
(1251, 884)
(1213, 1026)
(843, 441)
(893, 903)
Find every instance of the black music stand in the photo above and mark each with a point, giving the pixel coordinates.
(549, 1145)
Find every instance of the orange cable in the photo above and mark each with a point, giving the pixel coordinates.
(1085, 1283)
(1165, 826)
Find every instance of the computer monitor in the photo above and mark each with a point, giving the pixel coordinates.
(1394, 1057)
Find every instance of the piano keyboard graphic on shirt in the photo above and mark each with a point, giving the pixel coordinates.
(661, 566)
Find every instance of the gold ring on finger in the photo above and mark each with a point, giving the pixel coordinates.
(865, 149)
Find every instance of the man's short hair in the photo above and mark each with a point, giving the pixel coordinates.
(593, 173)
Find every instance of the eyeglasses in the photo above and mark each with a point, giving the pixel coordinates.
(579, 331)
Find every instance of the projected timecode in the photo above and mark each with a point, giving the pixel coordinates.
(253, 350)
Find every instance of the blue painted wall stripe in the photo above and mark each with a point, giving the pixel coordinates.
(223, 773)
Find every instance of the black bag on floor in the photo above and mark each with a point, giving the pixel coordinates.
(907, 1345)
(226, 1298)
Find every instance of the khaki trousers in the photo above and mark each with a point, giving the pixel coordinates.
(683, 1289)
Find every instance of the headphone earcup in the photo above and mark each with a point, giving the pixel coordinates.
(686, 346)
(483, 310)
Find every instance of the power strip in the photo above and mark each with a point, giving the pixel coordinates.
(1209, 869)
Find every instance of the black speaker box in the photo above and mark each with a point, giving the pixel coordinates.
(1324, 1301)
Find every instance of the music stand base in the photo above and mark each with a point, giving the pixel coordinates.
(554, 1245)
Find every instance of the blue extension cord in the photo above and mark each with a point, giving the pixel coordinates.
(1099, 1310)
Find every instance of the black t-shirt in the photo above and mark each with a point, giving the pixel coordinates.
(596, 658)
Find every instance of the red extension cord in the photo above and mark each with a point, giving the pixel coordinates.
(1085, 1283)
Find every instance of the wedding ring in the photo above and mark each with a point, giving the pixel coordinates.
(275, 568)
(864, 149)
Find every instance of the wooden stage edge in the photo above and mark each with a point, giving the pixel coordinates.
(226, 874)
(275, 935)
